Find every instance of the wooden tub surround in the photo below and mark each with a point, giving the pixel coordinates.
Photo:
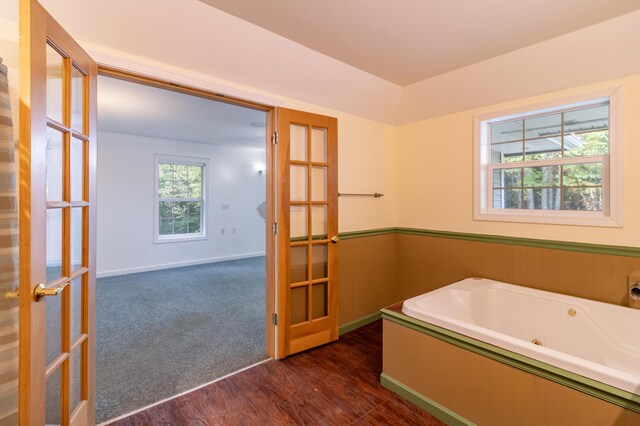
(463, 381)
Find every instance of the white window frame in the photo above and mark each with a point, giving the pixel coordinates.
(175, 159)
(610, 216)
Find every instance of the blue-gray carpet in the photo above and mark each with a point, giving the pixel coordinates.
(163, 332)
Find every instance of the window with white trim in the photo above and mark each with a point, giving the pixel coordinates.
(180, 198)
(556, 164)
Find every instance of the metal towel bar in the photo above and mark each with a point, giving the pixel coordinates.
(375, 194)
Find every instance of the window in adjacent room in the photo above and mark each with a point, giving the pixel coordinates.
(551, 164)
(180, 198)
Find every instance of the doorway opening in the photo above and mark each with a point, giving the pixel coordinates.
(181, 238)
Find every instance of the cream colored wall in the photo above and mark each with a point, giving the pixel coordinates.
(435, 177)
(366, 163)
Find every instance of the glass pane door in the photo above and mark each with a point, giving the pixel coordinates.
(57, 224)
(309, 144)
(66, 216)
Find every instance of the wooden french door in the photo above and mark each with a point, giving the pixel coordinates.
(57, 224)
(307, 234)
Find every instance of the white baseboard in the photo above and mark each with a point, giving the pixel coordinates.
(115, 272)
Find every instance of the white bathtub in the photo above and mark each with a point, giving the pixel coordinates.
(600, 341)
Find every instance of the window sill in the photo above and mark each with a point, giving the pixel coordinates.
(551, 218)
(178, 239)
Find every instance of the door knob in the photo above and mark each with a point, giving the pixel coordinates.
(335, 239)
(41, 291)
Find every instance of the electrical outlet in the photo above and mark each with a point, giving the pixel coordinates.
(233, 230)
(222, 231)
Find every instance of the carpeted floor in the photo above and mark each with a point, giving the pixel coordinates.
(163, 332)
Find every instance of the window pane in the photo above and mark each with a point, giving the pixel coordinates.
(587, 119)
(589, 199)
(55, 94)
(77, 99)
(582, 174)
(585, 144)
(542, 176)
(504, 132)
(586, 131)
(507, 178)
(506, 152)
(180, 217)
(543, 126)
(299, 303)
(179, 181)
(542, 198)
(543, 149)
(507, 198)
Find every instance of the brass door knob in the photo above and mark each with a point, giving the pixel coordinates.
(41, 291)
(335, 239)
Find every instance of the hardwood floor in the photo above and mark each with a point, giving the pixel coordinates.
(336, 384)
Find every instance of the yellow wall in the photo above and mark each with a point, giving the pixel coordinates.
(366, 163)
(434, 162)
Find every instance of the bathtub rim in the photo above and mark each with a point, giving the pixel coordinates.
(603, 391)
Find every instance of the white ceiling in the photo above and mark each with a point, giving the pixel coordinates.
(136, 109)
(405, 41)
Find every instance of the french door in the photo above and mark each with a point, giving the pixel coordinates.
(57, 224)
(307, 231)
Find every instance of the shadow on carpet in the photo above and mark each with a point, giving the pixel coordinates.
(163, 332)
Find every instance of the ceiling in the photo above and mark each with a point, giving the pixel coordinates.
(140, 110)
(406, 41)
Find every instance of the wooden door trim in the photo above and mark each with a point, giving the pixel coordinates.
(270, 302)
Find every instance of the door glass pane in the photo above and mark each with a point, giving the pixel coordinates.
(299, 311)
(54, 244)
(76, 238)
(53, 399)
(299, 223)
(54, 327)
(77, 96)
(319, 296)
(298, 142)
(75, 366)
(319, 259)
(54, 84)
(54, 165)
(319, 145)
(298, 178)
(319, 222)
(318, 184)
(299, 264)
(76, 290)
(77, 169)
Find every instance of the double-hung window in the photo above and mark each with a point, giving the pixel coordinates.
(555, 164)
(180, 198)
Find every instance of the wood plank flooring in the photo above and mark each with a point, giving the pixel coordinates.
(336, 384)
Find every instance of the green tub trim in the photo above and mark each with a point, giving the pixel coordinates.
(354, 325)
(583, 384)
(612, 250)
(428, 405)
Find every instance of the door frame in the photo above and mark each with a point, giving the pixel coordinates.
(271, 331)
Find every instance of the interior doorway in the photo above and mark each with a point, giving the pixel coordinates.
(181, 242)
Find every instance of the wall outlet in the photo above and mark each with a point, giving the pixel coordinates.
(233, 230)
(224, 206)
(221, 231)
